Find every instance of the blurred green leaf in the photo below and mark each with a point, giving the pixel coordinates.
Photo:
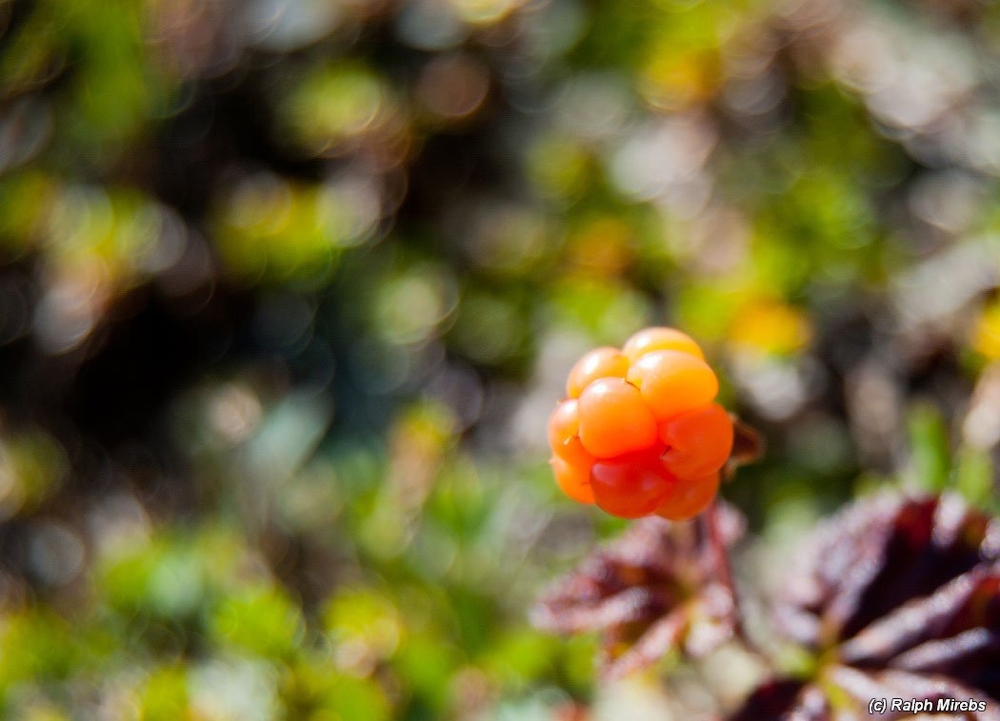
(930, 448)
(264, 621)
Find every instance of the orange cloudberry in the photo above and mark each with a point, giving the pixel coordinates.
(639, 432)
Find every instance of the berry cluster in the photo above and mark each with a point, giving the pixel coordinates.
(639, 433)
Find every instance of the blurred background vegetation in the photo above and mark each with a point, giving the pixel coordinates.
(289, 287)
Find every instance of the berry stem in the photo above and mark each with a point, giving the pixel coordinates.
(724, 569)
(717, 543)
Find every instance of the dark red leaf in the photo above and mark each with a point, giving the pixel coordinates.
(876, 556)
(898, 598)
(777, 699)
(653, 589)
